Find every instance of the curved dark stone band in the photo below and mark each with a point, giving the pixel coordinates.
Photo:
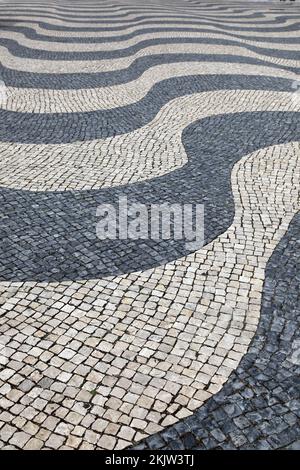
(258, 407)
(177, 15)
(145, 20)
(95, 17)
(26, 52)
(196, 10)
(280, 20)
(124, 11)
(51, 236)
(32, 34)
(74, 81)
(194, 5)
(58, 128)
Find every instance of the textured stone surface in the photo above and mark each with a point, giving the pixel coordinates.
(108, 345)
(197, 181)
(258, 408)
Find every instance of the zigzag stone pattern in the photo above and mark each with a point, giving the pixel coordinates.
(148, 343)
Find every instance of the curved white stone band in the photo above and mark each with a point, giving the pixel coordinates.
(122, 44)
(172, 357)
(152, 24)
(62, 20)
(126, 158)
(106, 65)
(37, 100)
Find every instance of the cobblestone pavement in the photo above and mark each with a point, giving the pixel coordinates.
(149, 343)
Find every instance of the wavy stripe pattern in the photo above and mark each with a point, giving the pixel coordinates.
(104, 343)
(245, 414)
